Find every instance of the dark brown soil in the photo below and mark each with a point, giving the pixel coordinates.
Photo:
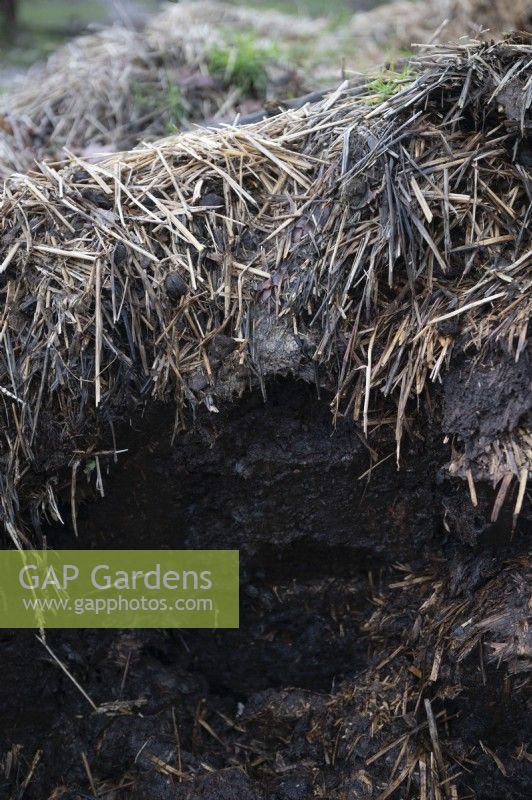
(234, 710)
(489, 400)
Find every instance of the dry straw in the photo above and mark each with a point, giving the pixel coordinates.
(109, 90)
(345, 234)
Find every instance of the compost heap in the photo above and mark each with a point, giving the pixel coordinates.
(110, 89)
(374, 249)
(206, 61)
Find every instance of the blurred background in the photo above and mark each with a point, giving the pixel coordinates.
(96, 76)
(31, 29)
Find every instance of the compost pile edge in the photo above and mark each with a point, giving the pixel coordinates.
(375, 243)
(372, 239)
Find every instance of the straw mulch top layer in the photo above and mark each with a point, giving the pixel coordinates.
(204, 60)
(372, 240)
(113, 88)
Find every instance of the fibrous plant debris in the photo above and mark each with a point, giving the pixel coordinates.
(108, 90)
(206, 61)
(374, 244)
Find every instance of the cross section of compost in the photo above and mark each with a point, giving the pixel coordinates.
(269, 710)
(306, 339)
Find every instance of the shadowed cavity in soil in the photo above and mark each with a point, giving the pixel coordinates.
(279, 483)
